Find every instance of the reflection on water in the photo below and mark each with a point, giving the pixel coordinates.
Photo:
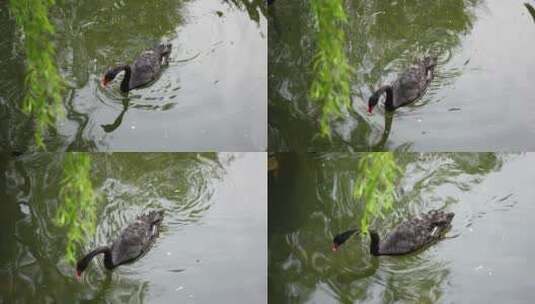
(255, 8)
(311, 199)
(460, 109)
(117, 122)
(199, 101)
(198, 193)
(12, 121)
(530, 9)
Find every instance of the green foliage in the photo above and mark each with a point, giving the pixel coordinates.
(378, 173)
(77, 209)
(43, 82)
(330, 85)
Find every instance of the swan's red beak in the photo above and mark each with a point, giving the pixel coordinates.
(334, 247)
(370, 109)
(103, 82)
(78, 275)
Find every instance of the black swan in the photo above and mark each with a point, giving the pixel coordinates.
(407, 237)
(134, 240)
(410, 86)
(144, 69)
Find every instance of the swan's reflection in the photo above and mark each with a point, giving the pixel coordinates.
(380, 145)
(117, 122)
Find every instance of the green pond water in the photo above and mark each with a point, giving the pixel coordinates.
(490, 261)
(211, 97)
(481, 98)
(212, 247)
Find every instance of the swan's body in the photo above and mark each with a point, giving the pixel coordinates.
(408, 236)
(143, 70)
(134, 240)
(409, 86)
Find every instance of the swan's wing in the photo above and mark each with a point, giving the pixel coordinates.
(144, 69)
(412, 84)
(131, 243)
(397, 242)
(407, 237)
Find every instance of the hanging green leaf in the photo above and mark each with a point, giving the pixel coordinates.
(77, 207)
(375, 185)
(330, 85)
(44, 84)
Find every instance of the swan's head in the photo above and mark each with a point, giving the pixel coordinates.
(372, 102)
(342, 238)
(335, 245)
(80, 267)
(110, 75)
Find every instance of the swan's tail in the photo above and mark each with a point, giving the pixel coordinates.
(439, 217)
(153, 217)
(165, 49)
(341, 238)
(430, 61)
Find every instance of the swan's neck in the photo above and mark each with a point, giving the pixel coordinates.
(389, 102)
(108, 262)
(125, 84)
(84, 262)
(374, 244)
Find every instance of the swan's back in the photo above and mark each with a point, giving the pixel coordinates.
(412, 83)
(136, 238)
(148, 65)
(416, 233)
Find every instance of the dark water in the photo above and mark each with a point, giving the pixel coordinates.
(212, 248)
(215, 100)
(310, 199)
(480, 99)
